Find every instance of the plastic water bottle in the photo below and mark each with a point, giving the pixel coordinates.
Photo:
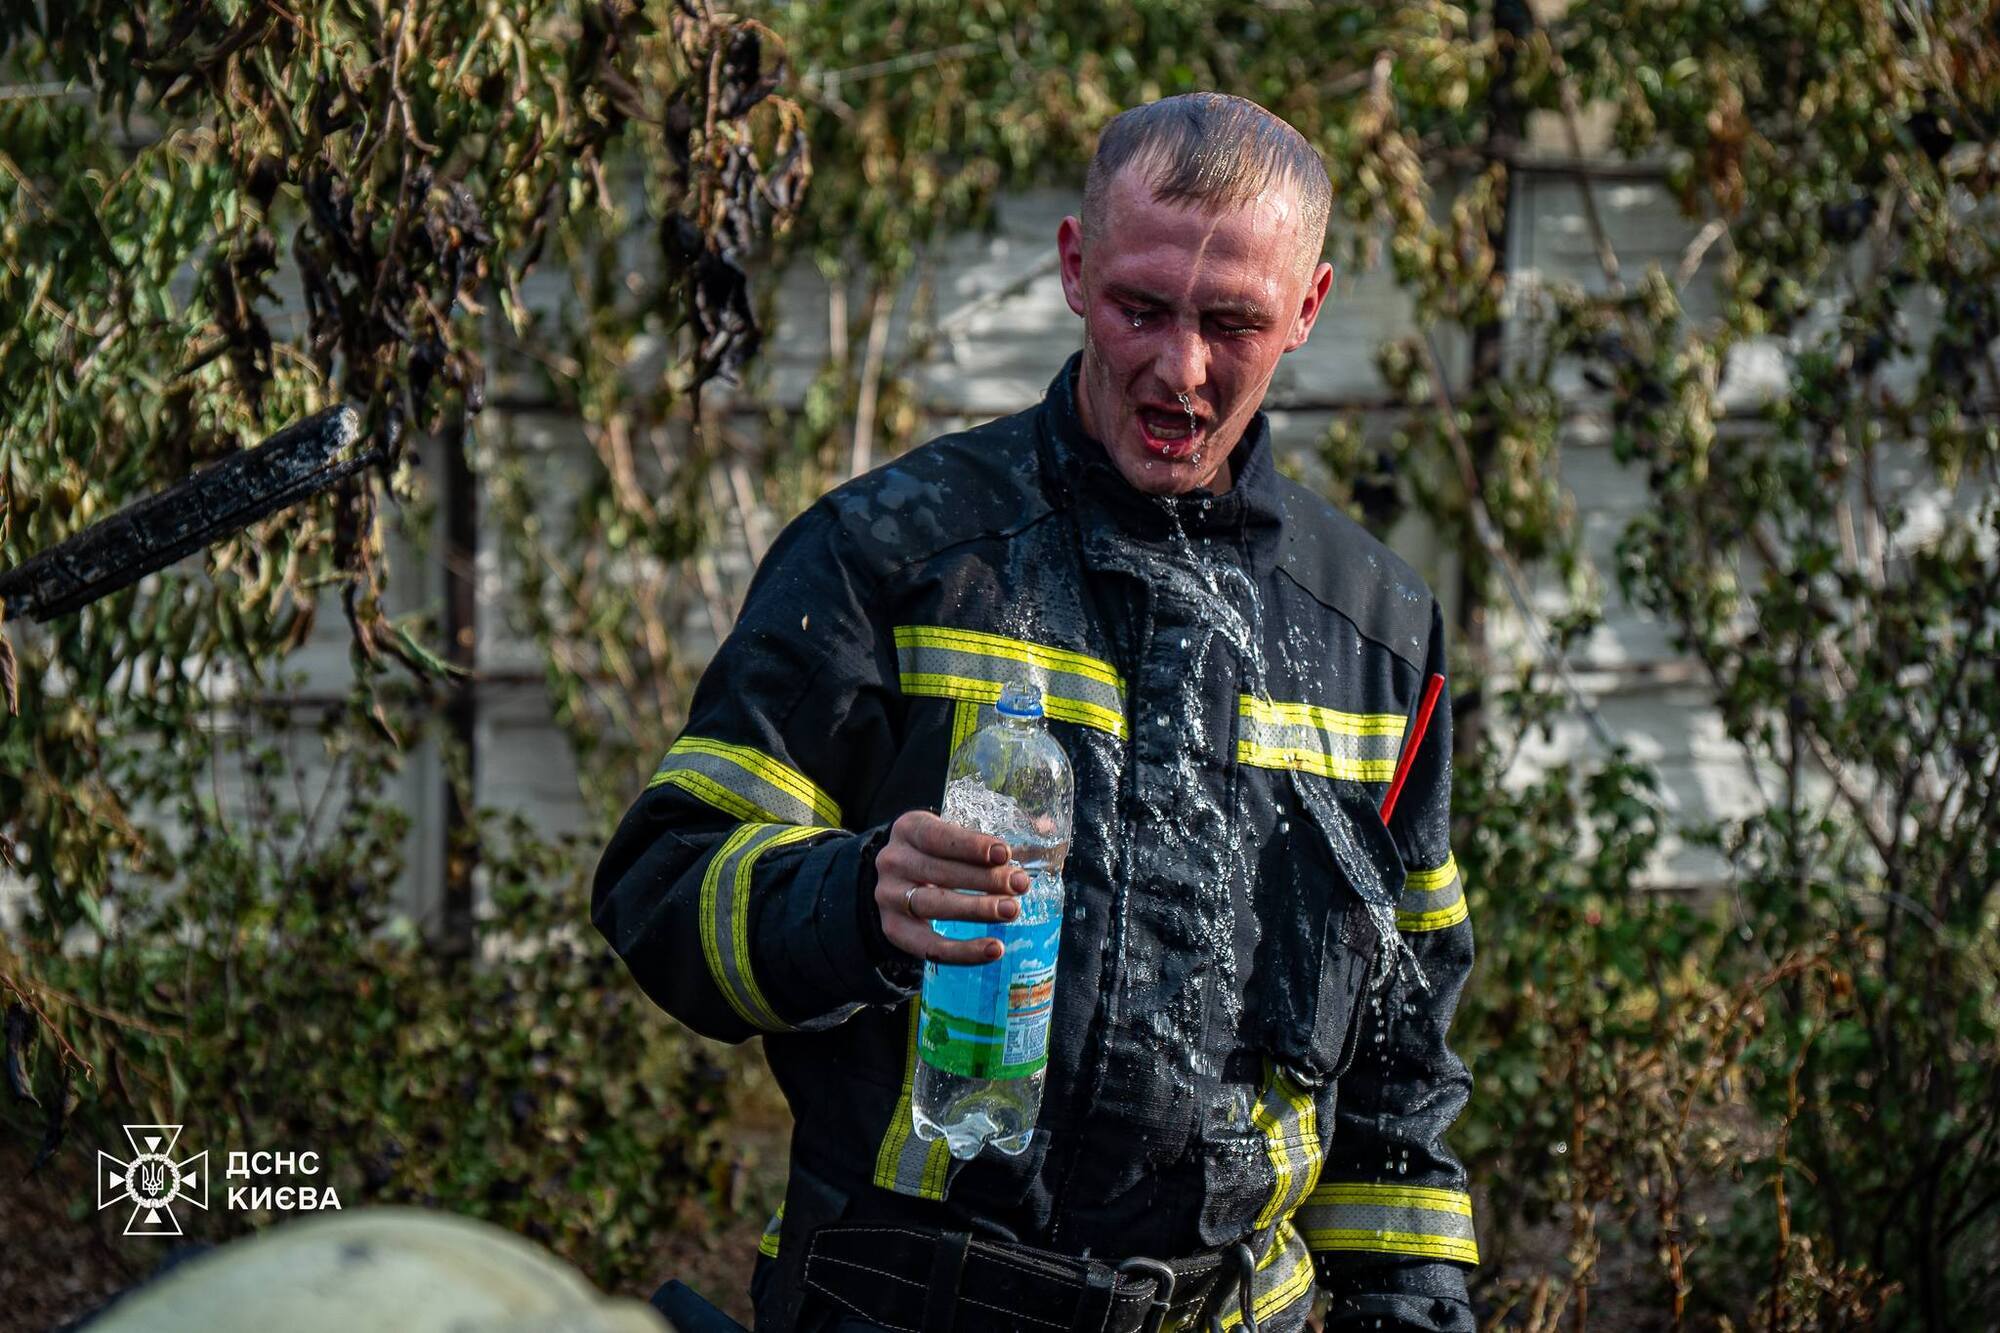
(983, 1031)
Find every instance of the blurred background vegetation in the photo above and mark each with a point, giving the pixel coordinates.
(1772, 1105)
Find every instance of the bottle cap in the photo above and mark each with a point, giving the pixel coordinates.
(1020, 700)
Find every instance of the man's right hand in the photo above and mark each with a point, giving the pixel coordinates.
(918, 875)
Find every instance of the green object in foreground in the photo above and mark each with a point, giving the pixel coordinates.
(393, 1270)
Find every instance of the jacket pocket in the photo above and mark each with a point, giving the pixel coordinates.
(1318, 940)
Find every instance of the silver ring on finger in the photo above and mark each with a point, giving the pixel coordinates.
(909, 902)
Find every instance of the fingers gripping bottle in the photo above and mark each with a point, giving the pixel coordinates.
(983, 1031)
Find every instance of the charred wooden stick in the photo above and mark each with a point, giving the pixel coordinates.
(297, 463)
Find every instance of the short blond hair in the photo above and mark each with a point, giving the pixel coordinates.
(1212, 150)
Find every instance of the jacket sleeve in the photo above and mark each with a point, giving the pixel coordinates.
(733, 889)
(1390, 1219)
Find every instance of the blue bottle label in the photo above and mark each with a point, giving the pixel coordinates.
(992, 1020)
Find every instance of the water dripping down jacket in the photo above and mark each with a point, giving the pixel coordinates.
(1237, 1052)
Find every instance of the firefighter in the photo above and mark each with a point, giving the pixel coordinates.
(1249, 1083)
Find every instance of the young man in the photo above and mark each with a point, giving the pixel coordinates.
(1248, 1076)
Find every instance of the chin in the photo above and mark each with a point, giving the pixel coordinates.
(1155, 474)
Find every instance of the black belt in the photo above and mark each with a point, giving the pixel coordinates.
(920, 1280)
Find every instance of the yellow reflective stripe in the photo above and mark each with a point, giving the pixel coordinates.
(1312, 761)
(964, 721)
(736, 777)
(725, 927)
(1290, 1121)
(1432, 899)
(705, 788)
(1430, 881)
(767, 1244)
(1393, 1242)
(779, 775)
(1056, 707)
(712, 942)
(1274, 713)
(973, 667)
(1441, 919)
(1012, 650)
(1355, 747)
(1390, 1219)
(1281, 1158)
(1270, 1297)
(904, 1163)
(1395, 1196)
(739, 916)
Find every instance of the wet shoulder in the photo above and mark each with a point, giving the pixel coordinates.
(972, 484)
(1348, 570)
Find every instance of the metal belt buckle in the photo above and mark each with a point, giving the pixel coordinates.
(1163, 1289)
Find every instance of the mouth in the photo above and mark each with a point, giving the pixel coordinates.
(1168, 431)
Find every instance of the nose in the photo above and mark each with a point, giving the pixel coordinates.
(1182, 360)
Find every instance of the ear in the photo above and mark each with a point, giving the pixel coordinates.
(1069, 247)
(1309, 306)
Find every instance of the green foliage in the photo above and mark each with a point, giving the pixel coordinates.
(276, 1001)
(1830, 564)
(213, 219)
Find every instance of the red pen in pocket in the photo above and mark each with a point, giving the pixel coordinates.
(1412, 744)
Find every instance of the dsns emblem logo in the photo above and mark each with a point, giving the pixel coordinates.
(152, 1181)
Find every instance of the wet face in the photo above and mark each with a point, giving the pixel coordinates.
(1185, 314)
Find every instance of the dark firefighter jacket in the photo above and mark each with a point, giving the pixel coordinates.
(1232, 1055)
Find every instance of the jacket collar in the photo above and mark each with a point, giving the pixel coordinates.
(1078, 474)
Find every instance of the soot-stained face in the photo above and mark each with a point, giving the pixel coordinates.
(1186, 311)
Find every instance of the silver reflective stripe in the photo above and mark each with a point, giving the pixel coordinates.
(725, 917)
(1284, 1277)
(973, 667)
(904, 1163)
(1389, 1219)
(1357, 747)
(1432, 899)
(1290, 1123)
(745, 784)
